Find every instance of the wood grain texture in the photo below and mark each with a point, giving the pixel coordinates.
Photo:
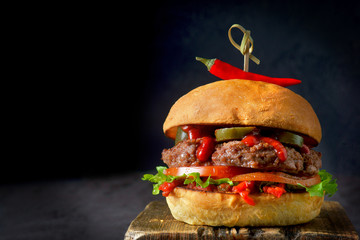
(156, 222)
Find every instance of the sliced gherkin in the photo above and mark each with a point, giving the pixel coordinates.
(291, 139)
(180, 135)
(226, 134)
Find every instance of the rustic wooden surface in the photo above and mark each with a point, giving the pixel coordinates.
(156, 222)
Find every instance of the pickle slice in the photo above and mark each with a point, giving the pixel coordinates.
(226, 134)
(291, 139)
(180, 135)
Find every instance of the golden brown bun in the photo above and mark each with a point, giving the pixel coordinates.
(244, 102)
(220, 209)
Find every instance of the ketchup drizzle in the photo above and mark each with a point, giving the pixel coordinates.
(207, 142)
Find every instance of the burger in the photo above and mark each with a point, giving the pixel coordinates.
(243, 156)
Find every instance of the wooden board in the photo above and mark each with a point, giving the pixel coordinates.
(156, 222)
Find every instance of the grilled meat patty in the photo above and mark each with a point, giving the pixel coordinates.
(236, 153)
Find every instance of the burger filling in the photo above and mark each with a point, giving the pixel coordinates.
(241, 160)
(261, 156)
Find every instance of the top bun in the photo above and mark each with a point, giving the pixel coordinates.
(245, 103)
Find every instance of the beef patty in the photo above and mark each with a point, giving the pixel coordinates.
(236, 153)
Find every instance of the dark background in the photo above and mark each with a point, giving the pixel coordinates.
(103, 82)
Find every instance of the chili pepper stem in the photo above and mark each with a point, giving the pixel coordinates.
(208, 62)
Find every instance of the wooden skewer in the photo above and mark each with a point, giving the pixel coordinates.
(246, 46)
(246, 57)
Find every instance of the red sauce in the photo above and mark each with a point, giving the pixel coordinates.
(279, 148)
(305, 149)
(192, 131)
(206, 148)
(251, 140)
(207, 144)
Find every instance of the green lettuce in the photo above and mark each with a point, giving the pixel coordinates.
(160, 178)
(327, 186)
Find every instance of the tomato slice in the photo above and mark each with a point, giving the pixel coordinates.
(205, 171)
(279, 177)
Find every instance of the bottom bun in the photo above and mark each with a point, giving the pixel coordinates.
(228, 209)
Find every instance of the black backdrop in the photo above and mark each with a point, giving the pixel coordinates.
(111, 76)
(315, 41)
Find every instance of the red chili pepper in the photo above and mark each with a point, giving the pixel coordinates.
(167, 187)
(244, 188)
(279, 148)
(206, 148)
(277, 191)
(226, 71)
(247, 199)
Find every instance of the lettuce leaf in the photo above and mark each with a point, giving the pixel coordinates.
(195, 177)
(327, 186)
(160, 178)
